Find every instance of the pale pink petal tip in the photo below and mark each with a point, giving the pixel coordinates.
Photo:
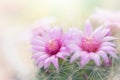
(88, 28)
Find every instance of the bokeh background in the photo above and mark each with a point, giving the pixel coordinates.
(17, 15)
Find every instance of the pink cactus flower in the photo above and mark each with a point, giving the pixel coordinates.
(109, 64)
(89, 45)
(48, 45)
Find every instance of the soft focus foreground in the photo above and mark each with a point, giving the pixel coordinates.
(17, 16)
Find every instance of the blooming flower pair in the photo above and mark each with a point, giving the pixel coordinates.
(51, 44)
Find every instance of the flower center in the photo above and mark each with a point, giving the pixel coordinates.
(52, 47)
(89, 44)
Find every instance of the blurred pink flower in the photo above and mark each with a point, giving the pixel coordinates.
(27, 34)
(48, 45)
(111, 17)
(89, 45)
